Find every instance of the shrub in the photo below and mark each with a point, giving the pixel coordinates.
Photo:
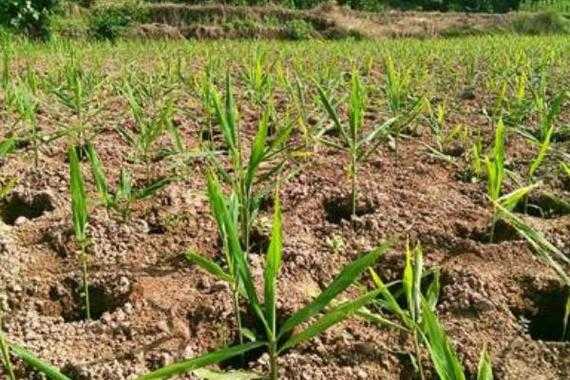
(109, 22)
(30, 17)
(542, 23)
(299, 30)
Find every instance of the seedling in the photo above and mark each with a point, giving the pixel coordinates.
(27, 107)
(80, 219)
(495, 165)
(258, 79)
(76, 91)
(277, 339)
(266, 159)
(125, 195)
(420, 319)
(397, 87)
(358, 147)
(148, 129)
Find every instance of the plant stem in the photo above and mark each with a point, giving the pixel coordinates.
(4, 348)
(353, 171)
(238, 319)
(418, 354)
(493, 222)
(237, 315)
(85, 281)
(273, 366)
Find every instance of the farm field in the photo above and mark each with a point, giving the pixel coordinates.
(193, 188)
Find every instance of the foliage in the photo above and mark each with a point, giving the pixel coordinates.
(276, 337)
(29, 17)
(549, 22)
(299, 30)
(359, 147)
(108, 22)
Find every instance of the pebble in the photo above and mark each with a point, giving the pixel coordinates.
(21, 220)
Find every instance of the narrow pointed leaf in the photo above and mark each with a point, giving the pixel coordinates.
(39, 365)
(78, 196)
(201, 361)
(209, 266)
(485, 368)
(330, 319)
(442, 352)
(346, 278)
(273, 266)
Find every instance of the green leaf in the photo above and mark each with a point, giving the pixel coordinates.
(332, 112)
(542, 152)
(258, 151)
(51, 372)
(78, 196)
(237, 257)
(209, 266)
(510, 201)
(99, 176)
(408, 282)
(273, 266)
(377, 131)
(153, 188)
(227, 117)
(346, 278)
(443, 355)
(485, 367)
(356, 111)
(432, 294)
(541, 246)
(201, 361)
(390, 302)
(377, 319)
(418, 273)
(330, 319)
(124, 189)
(7, 146)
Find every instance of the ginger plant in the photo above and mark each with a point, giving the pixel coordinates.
(76, 89)
(274, 337)
(248, 176)
(419, 318)
(358, 145)
(80, 220)
(125, 194)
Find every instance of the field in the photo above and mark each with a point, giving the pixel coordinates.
(194, 187)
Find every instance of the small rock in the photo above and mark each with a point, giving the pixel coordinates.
(20, 220)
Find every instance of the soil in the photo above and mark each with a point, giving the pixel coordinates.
(152, 308)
